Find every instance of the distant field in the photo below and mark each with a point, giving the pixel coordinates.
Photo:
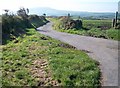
(97, 23)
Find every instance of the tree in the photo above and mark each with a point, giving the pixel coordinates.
(6, 11)
(27, 10)
(44, 15)
(68, 14)
(22, 12)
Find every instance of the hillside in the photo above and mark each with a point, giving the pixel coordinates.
(54, 12)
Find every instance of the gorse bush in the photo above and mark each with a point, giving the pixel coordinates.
(68, 23)
(11, 23)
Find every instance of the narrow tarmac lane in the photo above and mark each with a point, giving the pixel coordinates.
(103, 50)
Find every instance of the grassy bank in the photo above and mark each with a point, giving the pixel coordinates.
(14, 25)
(68, 66)
(94, 28)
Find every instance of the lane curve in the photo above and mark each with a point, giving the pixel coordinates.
(103, 50)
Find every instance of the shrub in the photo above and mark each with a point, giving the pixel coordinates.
(13, 25)
(68, 23)
(37, 20)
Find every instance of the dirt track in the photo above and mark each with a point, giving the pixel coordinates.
(103, 50)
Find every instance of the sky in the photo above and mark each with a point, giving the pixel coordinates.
(71, 5)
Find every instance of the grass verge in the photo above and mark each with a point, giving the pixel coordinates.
(70, 67)
(94, 30)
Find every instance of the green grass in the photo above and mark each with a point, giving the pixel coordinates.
(94, 31)
(74, 68)
(97, 23)
(70, 67)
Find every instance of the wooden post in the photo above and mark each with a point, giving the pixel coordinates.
(116, 18)
(113, 22)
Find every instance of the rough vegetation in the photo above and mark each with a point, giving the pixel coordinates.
(32, 59)
(68, 23)
(37, 21)
(94, 28)
(15, 25)
(37, 60)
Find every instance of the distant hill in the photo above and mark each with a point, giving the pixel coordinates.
(54, 12)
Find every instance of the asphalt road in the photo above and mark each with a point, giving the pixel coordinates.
(103, 50)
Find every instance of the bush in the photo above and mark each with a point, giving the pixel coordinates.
(68, 23)
(37, 20)
(13, 25)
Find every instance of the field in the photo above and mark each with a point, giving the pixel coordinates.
(106, 24)
(33, 59)
(94, 28)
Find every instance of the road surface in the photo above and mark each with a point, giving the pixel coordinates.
(103, 50)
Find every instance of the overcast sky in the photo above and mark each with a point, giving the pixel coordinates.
(74, 5)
